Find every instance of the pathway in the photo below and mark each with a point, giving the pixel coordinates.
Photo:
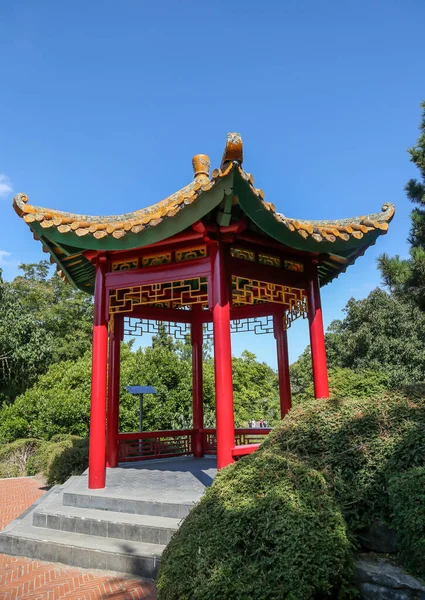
(26, 579)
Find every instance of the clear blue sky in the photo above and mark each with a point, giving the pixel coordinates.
(104, 103)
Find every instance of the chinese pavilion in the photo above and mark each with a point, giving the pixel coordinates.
(212, 255)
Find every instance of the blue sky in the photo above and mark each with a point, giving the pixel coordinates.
(104, 103)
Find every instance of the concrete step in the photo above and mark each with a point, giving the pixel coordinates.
(80, 550)
(126, 504)
(108, 524)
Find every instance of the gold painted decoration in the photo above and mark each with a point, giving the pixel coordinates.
(156, 259)
(177, 293)
(291, 265)
(298, 308)
(271, 261)
(124, 265)
(253, 291)
(191, 253)
(242, 254)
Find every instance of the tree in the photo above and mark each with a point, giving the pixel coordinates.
(407, 276)
(381, 339)
(42, 321)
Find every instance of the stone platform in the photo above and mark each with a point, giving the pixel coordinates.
(123, 528)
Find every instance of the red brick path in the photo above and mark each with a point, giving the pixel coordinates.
(23, 578)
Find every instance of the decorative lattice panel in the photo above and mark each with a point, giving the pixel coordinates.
(297, 310)
(253, 291)
(139, 327)
(257, 325)
(172, 294)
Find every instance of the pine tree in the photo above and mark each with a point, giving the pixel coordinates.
(407, 276)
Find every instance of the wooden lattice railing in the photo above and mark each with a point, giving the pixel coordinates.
(242, 437)
(162, 444)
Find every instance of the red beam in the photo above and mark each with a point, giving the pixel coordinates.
(244, 449)
(249, 270)
(268, 243)
(199, 267)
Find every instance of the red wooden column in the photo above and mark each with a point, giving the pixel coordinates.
(115, 337)
(98, 385)
(197, 396)
(282, 364)
(317, 336)
(222, 360)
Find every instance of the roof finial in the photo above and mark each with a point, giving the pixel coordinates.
(233, 152)
(201, 166)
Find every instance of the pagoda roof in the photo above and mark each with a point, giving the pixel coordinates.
(228, 194)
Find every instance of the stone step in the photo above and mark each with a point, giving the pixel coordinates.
(80, 550)
(126, 504)
(108, 524)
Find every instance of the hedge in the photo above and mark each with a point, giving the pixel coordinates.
(268, 528)
(407, 499)
(57, 460)
(14, 457)
(247, 538)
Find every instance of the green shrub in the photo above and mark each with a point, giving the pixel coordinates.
(15, 456)
(57, 461)
(359, 444)
(407, 497)
(267, 528)
(252, 527)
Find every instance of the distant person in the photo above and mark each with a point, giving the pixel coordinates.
(265, 423)
(261, 422)
(249, 423)
(253, 423)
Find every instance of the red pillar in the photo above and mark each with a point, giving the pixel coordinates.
(198, 409)
(222, 361)
(282, 364)
(98, 386)
(113, 393)
(317, 337)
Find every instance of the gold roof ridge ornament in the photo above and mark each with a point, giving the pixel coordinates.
(228, 191)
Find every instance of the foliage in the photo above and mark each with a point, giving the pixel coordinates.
(255, 390)
(60, 459)
(381, 339)
(407, 277)
(42, 321)
(382, 333)
(59, 402)
(14, 457)
(355, 448)
(359, 443)
(343, 383)
(267, 528)
(407, 497)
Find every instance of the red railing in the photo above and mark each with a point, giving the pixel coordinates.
(154, 444)
(161, 444)
(242, 437)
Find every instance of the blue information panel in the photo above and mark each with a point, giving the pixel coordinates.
(141, 389)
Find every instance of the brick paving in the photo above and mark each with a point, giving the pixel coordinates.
(26, 579)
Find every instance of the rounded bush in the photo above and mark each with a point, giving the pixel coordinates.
(267, 528)
(407, 498)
